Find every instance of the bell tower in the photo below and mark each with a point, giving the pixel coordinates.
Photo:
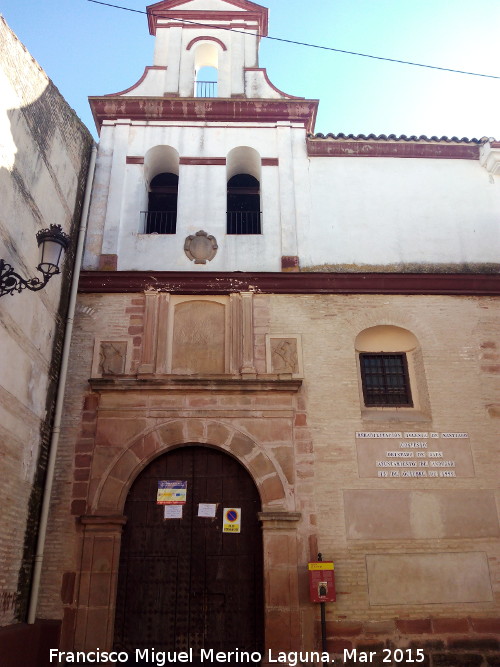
(193, 34)
(185, 157)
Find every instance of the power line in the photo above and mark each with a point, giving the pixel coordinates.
(312, 46)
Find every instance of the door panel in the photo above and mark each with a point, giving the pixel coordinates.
(183, 583)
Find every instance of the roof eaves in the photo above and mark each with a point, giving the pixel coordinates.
(393, 137)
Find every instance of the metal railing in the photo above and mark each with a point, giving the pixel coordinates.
(205, 88)
(244, 222)
(158, 222)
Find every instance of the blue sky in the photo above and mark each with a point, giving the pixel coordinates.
(88, 49)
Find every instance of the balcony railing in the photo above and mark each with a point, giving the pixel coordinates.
(243, 222)
(158, 222)
(205, 88)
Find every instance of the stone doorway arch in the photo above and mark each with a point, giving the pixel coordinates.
(92, 617)
(111, 491)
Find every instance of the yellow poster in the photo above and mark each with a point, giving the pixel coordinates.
(171, 492)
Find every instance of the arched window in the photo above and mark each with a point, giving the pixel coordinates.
(243, 173)
(162, 204)
(161, 180)
(243, 205)
(206, 69)
(388, 363)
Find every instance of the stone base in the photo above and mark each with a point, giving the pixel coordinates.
(432, 642)
(290, 263)
(23, 645)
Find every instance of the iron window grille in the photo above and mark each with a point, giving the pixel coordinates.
(385, 380)
(243, 205)
(161, 216)
(158, 222)
(243, 222)
(206, 88)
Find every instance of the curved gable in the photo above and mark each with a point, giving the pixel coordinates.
(196, 10)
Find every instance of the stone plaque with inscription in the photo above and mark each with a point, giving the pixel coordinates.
(414, 455)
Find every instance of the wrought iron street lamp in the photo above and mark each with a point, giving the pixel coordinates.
(52, 243)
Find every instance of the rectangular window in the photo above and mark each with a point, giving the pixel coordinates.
(385, 380)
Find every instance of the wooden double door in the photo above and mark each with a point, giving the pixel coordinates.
(184, 583)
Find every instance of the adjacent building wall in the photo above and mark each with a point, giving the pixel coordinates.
(44, 156)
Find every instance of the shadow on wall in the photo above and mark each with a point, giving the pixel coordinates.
(44, 158)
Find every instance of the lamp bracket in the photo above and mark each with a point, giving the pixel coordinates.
(11, 282)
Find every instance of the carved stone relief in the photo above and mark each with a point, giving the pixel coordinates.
(284, 355)
(200, 247)
(112, 356)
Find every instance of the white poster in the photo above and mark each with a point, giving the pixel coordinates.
(207, 510)
(172, 512)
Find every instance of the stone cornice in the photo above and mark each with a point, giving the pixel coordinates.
(189, 109)
(396, 149)
(102, 522)
(279, 520)
(279, 516)
(212, 282)
(219, 383)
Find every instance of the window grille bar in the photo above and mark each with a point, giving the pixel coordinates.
(158, 222)
(206, 88)
(244, 222)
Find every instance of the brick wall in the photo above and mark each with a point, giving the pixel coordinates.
(458, 340)
(310, 435)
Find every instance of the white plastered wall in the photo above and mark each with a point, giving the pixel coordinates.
(383, 211)
(114, 226)
(349, 212)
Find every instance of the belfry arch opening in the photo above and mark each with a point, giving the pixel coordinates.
(161, 169)
(206, 70)
(243, 170)
(184, 582)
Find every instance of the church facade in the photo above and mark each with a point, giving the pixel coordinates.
(286, 344)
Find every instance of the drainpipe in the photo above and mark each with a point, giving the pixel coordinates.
(56, 429)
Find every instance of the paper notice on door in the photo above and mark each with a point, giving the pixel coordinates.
(172, 512)
(207, 510)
